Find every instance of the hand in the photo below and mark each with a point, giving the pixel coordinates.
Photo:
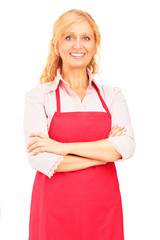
(117, 131)
(42, 143)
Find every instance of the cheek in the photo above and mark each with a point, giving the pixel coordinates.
(91, 46)
(64, 48)
(91, 49)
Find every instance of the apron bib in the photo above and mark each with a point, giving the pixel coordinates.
(83, 204)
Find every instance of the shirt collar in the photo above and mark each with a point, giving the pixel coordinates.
(58, 77)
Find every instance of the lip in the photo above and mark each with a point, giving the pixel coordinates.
(81, 54)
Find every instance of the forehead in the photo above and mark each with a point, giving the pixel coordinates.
(80, 28)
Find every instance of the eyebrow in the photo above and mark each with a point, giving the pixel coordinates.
(81, 34)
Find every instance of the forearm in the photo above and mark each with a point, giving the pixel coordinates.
(73, 163)
(101, 150)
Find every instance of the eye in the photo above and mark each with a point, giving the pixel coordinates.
(69, 38)
(86, 38)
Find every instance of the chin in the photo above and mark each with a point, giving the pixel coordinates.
(78, 65)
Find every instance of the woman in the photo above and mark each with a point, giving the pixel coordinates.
(75, 129)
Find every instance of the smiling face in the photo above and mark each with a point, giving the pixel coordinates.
(77, 45)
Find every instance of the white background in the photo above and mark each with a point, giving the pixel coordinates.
(130, 59)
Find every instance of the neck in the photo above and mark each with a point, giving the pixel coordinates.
(77, 78)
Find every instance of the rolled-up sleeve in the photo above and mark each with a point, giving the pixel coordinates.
(35, 120)
(124, 144)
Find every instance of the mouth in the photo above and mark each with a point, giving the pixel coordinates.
(77, 55)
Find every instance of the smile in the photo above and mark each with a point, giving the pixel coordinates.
(77, 55)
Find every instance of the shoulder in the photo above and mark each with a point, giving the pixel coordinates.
(110, 90)
(39, 91)
(110, 93)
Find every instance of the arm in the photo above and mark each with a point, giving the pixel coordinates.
(101, 150)
(124, 144)
(70, 162)
(43, 143)
(35, 119)
(73, 163)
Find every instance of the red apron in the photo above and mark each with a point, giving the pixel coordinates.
(83, 204)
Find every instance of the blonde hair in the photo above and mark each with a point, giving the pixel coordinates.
(54, 61)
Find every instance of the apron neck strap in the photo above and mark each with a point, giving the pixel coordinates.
(102, 101)
(59, 105)
(58, 100)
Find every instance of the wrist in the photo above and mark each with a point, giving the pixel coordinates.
(68, 148)
(65, 148)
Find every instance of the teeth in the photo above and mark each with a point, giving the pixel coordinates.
(77, 54)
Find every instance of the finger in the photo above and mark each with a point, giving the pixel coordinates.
(117, 129)
(37, 134)
(31, 143)
(35, 146)
(113, 128)
(35, 140)
(38, 150)
(119, 133)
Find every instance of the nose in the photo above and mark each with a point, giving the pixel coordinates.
(77, 43)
